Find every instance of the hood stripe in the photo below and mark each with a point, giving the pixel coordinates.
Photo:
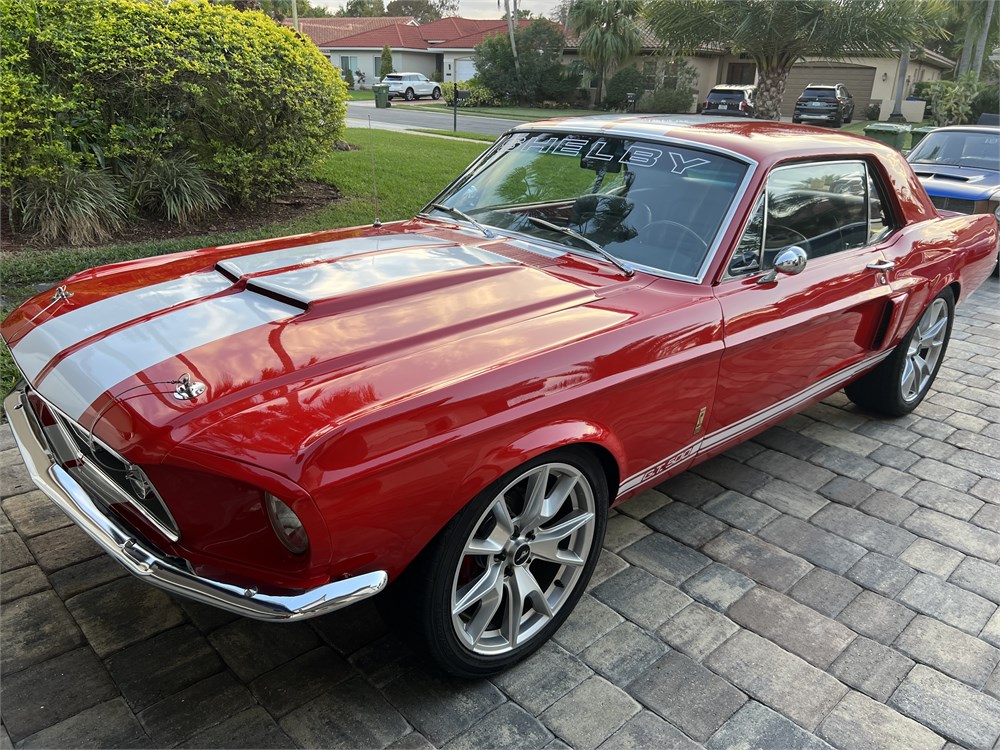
(79, 379)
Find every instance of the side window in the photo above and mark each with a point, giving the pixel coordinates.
(879, 214)
(746, 259)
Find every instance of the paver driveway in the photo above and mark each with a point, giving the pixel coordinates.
(833, 581)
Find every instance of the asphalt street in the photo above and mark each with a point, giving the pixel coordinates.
(402, 117)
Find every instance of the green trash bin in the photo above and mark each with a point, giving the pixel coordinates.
(381, 95)
(889, 133)
(918, 134)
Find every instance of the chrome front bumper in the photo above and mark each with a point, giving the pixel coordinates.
(124, 547)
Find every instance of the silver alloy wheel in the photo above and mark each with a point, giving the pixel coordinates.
(524, 558)
(924, 350)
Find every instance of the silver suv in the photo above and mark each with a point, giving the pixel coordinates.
(411, 86)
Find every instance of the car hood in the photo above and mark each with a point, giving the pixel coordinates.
(957, 182)
(254, 323)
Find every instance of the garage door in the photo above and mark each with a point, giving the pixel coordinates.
(466, 69)
(859, 80)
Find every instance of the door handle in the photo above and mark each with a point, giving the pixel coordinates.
(881, 265)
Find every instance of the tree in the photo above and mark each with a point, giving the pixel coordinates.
(775, 35)
(542, 76)
(423, 10)
(385, 65)
(608, 34)
(362, 9)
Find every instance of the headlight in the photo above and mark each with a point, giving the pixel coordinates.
(287, 525)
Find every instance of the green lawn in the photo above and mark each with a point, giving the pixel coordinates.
(509, 113)
(457, 134)
(361, 96)
(405, 182)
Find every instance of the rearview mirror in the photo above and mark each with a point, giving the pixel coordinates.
(791, 261)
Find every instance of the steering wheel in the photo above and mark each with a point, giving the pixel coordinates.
(677, 225)
(797, 236)
(672, 256)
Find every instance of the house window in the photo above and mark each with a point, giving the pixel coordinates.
(348, 63)
(649, 75)
(377, 67)
(741, 74)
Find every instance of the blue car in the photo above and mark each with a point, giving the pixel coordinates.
(959, 167)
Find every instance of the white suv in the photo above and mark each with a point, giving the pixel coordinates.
(411, 86)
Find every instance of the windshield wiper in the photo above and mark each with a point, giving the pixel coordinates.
(629, 272)
(489, 233)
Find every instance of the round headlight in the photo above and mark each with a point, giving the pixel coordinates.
(287, 525)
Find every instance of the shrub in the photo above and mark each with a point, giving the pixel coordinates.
(72, 206)
(436, 76)
(666, 100)
(119, 84)
(543, 77)
(479, 96)
(175, 188)
(952, 101)
(988, 100)
(349, 78)
(623, 82)
(385, 64)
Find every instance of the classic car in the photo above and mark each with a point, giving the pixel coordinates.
(452, 403)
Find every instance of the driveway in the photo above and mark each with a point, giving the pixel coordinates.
(833, 581)
(402, 116)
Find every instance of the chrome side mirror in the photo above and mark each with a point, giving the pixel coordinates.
(791, 260)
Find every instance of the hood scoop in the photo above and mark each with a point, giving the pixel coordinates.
(940, 176)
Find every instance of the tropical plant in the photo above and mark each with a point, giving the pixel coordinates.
(775, 35)
(177, 189)
(385, 64)
(608, 34)
(72, 206)
(542, 76)
(952, 101)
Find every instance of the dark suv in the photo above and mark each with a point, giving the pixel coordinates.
(729, 100)
(821, 103)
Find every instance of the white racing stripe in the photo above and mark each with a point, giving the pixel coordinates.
(78, 380)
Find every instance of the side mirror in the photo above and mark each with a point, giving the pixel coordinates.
(791, 261)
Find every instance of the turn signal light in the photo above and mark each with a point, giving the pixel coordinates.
(286, 525)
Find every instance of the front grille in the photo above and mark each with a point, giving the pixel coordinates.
(105, 475)
(961, 205)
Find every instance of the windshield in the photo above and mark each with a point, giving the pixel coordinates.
(655, 205)
(725, 96)
(959, 148)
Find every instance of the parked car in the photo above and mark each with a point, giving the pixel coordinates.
(735, 101)
(959, 167)
(411, 86)
(821, 103)
(454, 402)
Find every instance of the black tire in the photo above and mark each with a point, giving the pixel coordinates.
(419, 604)
(882, 390)
(851, 118)
(409, 95)
(436, 94)
(796, 120)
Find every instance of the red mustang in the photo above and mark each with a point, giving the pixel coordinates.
(280, 428)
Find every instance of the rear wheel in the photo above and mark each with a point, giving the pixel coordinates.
(409, 95)
(898, 385)
(505, 573)
(436, 94)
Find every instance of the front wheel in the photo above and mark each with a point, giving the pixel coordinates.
(409, 95)
(505, 573)
(436, 94)
(898, 385)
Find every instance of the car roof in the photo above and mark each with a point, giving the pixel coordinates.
(991, 129)
(731, 87)
(823, 85)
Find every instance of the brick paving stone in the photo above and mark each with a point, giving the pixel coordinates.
(872, 668)
(89, 574)
(843, 462)
(988, 517)
(590, 713)
(948, 650)
(934, 451)
(33, 513)
(14, 480)
(888, 507)
(740, 511)
(846, 491)
(757, 726)
(893, 457)
(252, 647)
(5, 743)
(955, 606)
(757, 559)
(776, 678)
(824, 591)
(687, 695)
(641, 597)
(975, 465)
(931, 557)
(717, 586)
(349, 629)
(195, 709)
(665, 558)
(63, 547)
(881, 574)
(690, 488)
(987, 489)
(543, 678)
(202, 616)
(875, 616)
(5, 525)
(951, 532)
(348, 715)
(852, 442)
(13, 553)
(860, 528)
(952, 502)
(121, 613)
(623, 531)
(948, 707)
(106, 725)
(35, 628)
(786, 441)
(793, 626)
(886, 432)
(647, 730)
(644, 503)
(47, 693)
(252, 727)
(831, 411)
(415, 741)
(892, 480)
(300, 680)
(731, 474)
(608, 565)
(22, 582)
(510, 727)
(382, 661)
(696, 630)
(791, 469)
(588, 621)
(623, 654)
(992, 686)
(860, 723)
(743, 452)
(816, 545)
(685, 524)
(979, 577)
(791, 499)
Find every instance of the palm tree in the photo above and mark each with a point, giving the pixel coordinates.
(775, 35)
(608, 34)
